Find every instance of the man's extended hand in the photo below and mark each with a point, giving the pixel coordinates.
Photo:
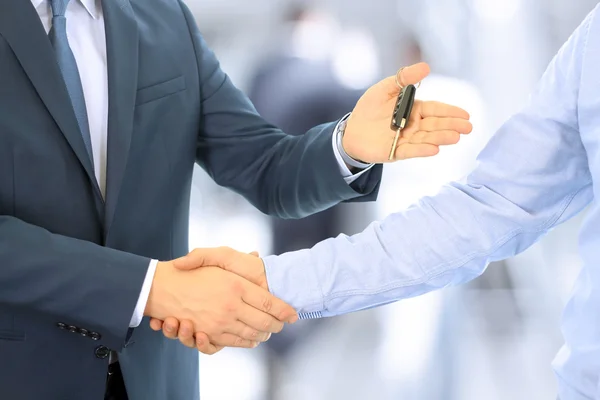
(227, 309)
(369, 138)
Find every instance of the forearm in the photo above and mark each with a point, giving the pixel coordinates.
(446, 240)
(281, 175)
(75, 281)
(300, 175)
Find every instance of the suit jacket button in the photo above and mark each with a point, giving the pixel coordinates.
(83, 332)
(61, 325)
(72, 328)
(95, 336)
(101, 352)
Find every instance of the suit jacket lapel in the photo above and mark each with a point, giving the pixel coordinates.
(20, 25)
(122, 58)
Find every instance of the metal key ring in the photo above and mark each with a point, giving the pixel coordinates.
(398, 79)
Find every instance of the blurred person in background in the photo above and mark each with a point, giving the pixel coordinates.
(296, 88)
(105, 106)
(535, 173)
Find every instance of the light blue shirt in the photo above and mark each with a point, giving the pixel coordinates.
(535, 173)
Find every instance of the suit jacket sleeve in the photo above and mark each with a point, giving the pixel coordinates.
(282, 175)
(69, 280)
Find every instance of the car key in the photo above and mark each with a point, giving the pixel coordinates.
(401, 114)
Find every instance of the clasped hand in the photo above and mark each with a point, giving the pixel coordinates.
(217, 308)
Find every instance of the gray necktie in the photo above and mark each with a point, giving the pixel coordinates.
(68, 67)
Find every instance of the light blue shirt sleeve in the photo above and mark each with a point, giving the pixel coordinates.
(531, 176)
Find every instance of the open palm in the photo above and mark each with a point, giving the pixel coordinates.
(368, 135)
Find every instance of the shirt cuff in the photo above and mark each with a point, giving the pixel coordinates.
(290, 279)
(337, 151)
(138, 313)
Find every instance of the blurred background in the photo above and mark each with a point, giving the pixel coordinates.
(304, 63)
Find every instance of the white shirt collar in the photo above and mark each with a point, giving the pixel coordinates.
(90, 5)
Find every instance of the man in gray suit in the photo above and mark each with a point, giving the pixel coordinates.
(104, 108)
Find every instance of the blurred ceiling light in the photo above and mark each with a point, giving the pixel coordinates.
(355, 59)
(497, 11)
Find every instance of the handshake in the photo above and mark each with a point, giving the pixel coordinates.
(215, 298)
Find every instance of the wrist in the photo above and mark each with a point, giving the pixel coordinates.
(157, 292)
(351, 161)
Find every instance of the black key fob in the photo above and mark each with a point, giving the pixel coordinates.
(403, 107)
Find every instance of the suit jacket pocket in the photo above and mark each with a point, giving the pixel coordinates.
(160, 90)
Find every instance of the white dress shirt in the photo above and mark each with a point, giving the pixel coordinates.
(85, 30)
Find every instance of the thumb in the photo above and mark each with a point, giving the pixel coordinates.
(413, 74)
(206, 257)
(255, 254)
(410, 75)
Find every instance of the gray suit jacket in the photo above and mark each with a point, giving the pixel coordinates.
(72, 264)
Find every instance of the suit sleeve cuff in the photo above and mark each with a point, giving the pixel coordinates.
(138, 313)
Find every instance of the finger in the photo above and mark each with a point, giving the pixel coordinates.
(413, 74)
(259, 320)
(171, 327)
(437, 138)
(250, 268)
(188, 341)
(431, 124)
(230, 340)
(409, 150)
(245, 332)
(204, 345)
(438, 109)
(264, 301)
(213, 257)
(186, 333)
(156, 324)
